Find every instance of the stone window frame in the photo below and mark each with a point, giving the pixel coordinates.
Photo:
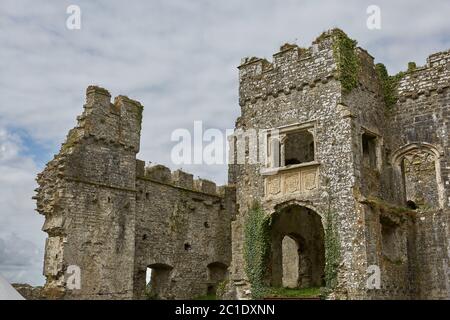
(281, 133)
(378, 148)
(437, 151)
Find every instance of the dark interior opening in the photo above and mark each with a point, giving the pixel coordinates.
(299, 148)
(369, 144)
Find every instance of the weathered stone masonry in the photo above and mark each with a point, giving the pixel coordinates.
(362, 178)
(108, 214)
(360, 175)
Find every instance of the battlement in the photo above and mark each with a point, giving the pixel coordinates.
(115, 123)
(432, 77)
(296, 68)
(180, 179)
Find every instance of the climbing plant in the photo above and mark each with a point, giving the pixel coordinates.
(332, 251)
(344, 50)
(389, 83)
(256, 248)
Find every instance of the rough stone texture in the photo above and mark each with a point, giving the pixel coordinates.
(375, 179)
(29, 292)
(183, 226)
(304, 229)
(108, 214)
(360, 145)
(290, 262)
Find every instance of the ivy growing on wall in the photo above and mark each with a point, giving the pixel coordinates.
(256, 248)
(344, 50)
(389, 83)
(332, 251)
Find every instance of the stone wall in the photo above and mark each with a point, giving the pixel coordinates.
(380, 145)
(183, 225)
(419, 126)
(310, 85)
(391, 246)
(112, 218)
(301, 86)
(87, 194)
(29, 292)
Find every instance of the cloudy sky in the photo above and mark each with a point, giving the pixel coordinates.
(178, 58)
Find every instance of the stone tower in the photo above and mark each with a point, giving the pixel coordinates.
(87, 196)
(353, 171)
(111, 220)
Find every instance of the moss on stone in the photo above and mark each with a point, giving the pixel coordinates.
(221, 288)
(412, 66)
(383, 206)
(206, 297)
(72, 139)
(389, 84)
(348, 64)
(313, 292)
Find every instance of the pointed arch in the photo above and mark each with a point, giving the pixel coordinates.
(409, 162)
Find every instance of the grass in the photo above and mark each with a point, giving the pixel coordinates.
(206, 297)
(294, 293)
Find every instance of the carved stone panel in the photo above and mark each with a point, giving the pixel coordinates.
(309, 178)
(292, 181)
(273, 185)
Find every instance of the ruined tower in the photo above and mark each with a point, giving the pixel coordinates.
(354, 172)
(87, 194)
(110, 219)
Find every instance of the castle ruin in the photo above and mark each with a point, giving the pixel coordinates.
(354, 173)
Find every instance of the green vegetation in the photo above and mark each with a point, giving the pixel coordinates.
(412, 66)
(149, 294)
(347, 60)
(332, 251)
(389, 83)
(256, 248)
(293, 293)
(397, 262)
(72, 139)
(221, 287)
(383, 206)
(206, 297)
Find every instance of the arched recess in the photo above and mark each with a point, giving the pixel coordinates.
(216, 273)
(417, 171)
(158, 281)
(297, 257)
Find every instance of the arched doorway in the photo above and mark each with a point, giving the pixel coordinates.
(298, 249)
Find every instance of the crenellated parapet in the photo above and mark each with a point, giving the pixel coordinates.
(432, 77)
(86, 194)
(115, 123)
(292, 68)
(178, 179)
(332, 56)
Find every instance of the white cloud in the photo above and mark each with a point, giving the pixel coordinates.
(21, 241)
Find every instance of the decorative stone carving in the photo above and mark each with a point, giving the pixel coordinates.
(291, 181)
